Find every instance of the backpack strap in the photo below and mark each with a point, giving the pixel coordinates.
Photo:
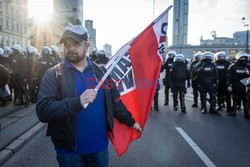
(58, 70)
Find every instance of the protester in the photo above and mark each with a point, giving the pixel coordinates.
(79, 134)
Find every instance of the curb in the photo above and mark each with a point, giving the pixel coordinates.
(18, 143)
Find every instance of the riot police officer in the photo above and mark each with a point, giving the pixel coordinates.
(178, 76)
(222, 94)
(194, 78)
(102, 58)
(207, 75)
(236, 72)
(168, 67)
(55, 53)
(19, 70)
(4, 78)
(44, 63)
(4, 60)
(31, 75)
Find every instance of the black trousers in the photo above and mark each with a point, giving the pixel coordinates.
(208, 88)
(156, 98)
(239, 94)
(195, 87)
(167, 88)
(179, 91)
(224, 95)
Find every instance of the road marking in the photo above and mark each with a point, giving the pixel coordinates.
(196, 148)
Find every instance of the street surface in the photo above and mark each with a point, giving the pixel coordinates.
(170, 138)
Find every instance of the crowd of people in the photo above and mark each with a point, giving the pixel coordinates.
(226, 80)
(22, 71)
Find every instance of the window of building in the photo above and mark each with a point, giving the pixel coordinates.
(0, 6)
(17, 27)
(7, 24)
(13, 26)
(25, 30)
(7, 41)
(12, 12)
(7, 9)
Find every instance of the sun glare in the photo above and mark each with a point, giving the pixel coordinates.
(40, 10)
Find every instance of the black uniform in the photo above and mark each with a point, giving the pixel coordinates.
(195, 82)
(19, 73)
(207, 75)
(237, 72)
(178, 76)
(168, 67)
(4, 79)
(42, 64)
(156, 97)
(32, 77)
(222, 93)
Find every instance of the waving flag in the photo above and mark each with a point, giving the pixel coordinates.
(136, 73)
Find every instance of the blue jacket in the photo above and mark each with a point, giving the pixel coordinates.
(58, 104)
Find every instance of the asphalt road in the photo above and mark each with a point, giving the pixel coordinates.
(170, 138)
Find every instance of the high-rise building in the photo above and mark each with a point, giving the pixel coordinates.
(66, 10)
(241, 36)
(108, 49)
(14, 23)
(180, 22)
(92, 34)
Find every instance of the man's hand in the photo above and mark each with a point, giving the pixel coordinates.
(88, 96)
(137, 127)
(229, 89)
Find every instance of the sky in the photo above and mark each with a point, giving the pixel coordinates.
(118, 21)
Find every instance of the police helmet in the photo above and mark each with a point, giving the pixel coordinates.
(46, 51)
(31, 50)
(7, 51)
(102, 58)
(93, 54)
(94, 51)
(220, 56)
(198, 56)
(240, 55)
(207, 56)
(17, 48)
(171, 54)
(179, 58)
(54, 49)
(1, 52)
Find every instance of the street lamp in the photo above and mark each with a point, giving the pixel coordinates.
(246, 25)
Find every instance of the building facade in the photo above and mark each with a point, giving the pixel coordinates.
(241, 36)
(92, 34)
(108, 49)
(66, 10)
(14, 23)
(189, 50)
(180, 22)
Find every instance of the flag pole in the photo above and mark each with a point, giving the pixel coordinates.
(110, 68)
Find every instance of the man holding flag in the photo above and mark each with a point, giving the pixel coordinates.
(79, 134)
(80, 118)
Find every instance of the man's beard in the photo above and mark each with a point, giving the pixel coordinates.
(74, 57)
